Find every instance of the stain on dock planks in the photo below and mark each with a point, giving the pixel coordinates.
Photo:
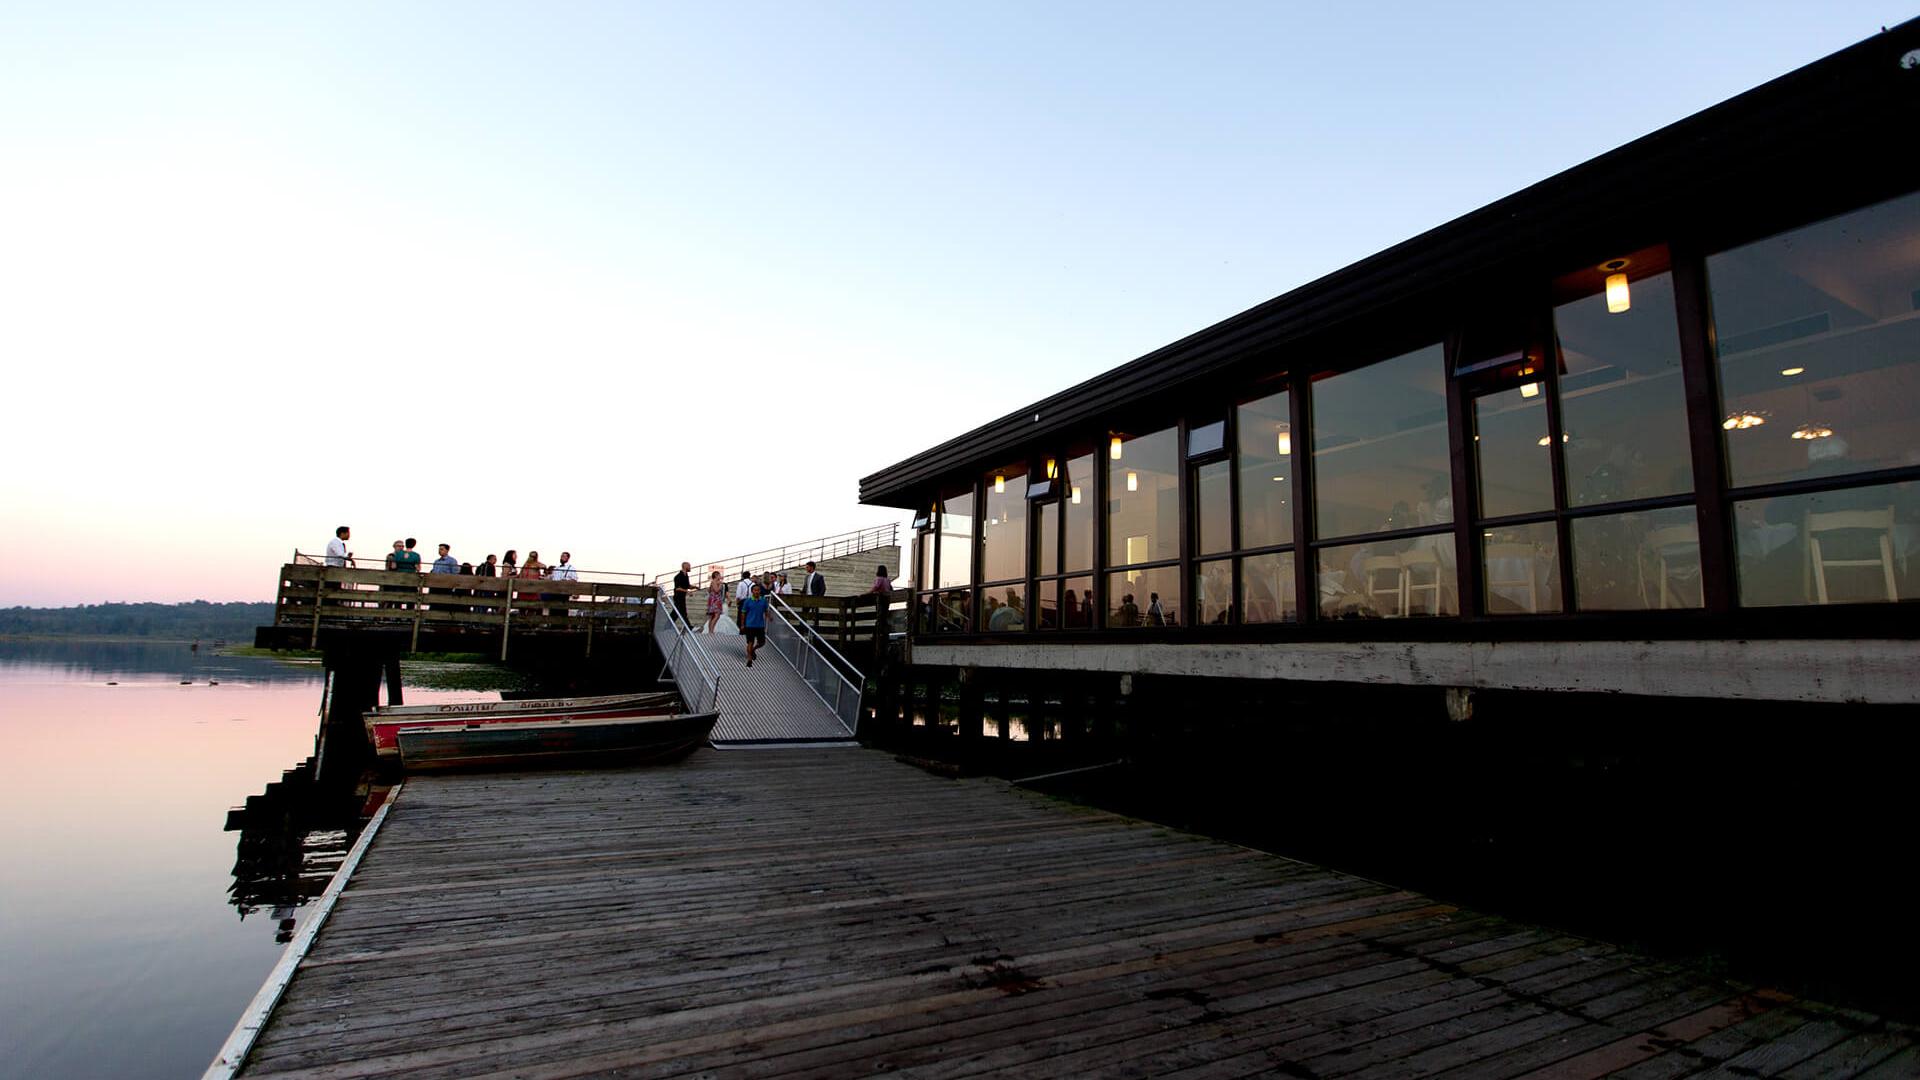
(821, 913)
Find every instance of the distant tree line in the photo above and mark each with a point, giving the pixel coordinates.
(183, 622)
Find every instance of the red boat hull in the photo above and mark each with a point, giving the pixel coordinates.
(383, 726)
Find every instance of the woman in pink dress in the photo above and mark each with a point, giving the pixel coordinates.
(716, 600)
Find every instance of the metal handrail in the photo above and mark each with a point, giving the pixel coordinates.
(789, 636)
(800, 622)
(790, 555)
(676, 641)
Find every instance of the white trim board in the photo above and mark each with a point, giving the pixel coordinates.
(1856, 671)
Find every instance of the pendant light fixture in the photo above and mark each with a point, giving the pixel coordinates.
(1285, 445)
(1113, 448)
(999, 484)
(1133, 480)
(1618, 298)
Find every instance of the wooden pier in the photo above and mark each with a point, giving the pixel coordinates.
(830, 913)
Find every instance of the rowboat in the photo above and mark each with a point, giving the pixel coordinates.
(526, 744)
(384, 723)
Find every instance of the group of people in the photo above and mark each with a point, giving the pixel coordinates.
(404, 556)
(752, 598)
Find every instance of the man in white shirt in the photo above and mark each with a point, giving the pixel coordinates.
(337, 553)
(816, 581)
(565, 572)
(740, 594)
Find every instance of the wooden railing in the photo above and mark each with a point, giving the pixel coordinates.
(312, 597)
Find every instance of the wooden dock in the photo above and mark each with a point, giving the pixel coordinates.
(830, 913)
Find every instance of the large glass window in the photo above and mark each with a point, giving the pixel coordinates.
(1622, 401)
(1003, 608)
(1390, 579)
(1520, 568)
(1380, 459)
(1851, 546)
(1137, 598)
(1003, 533)
(1818, 336)
(953, 612)
(1047, 539)
(1078, 513)
(1510, 446)
(1076, 603)
(1143, 498)
(1213, 509)
(1637, 562)
(1265, 462)
(1213, 593)
(956, 541)
(1266, 589)
(923, 560)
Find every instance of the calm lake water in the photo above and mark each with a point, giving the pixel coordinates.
(122, 952)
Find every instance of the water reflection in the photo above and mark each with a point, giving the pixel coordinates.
(293, 836)
(148, 662)
(119, 952)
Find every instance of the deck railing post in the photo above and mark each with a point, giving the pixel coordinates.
(506, 620)
(320, 592)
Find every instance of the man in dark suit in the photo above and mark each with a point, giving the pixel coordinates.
(816, 581)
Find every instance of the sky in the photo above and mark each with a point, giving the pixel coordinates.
(654, 282)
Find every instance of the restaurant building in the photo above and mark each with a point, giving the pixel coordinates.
(1650, 426)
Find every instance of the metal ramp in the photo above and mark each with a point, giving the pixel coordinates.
(794, 694)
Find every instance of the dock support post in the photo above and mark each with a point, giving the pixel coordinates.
(344, 749)
(319, 598)
(972, 702)
(392, 673)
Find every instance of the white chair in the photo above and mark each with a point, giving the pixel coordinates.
(1396, 591)
(1671, 541)
(1879, 521)
(1411, 563)
(1506, 557)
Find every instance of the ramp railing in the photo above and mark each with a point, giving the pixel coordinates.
(835, 680)
(693, 670)
(792, 555)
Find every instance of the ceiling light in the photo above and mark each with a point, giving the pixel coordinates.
(1792, 371)
(1113, 448)
(1531, 389)
(1286, 440)
(1133, 480)
(999, 484)
(1618, 299)
(1741, 421)
(1812, 431)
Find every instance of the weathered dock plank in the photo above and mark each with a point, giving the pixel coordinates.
(822, 913)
